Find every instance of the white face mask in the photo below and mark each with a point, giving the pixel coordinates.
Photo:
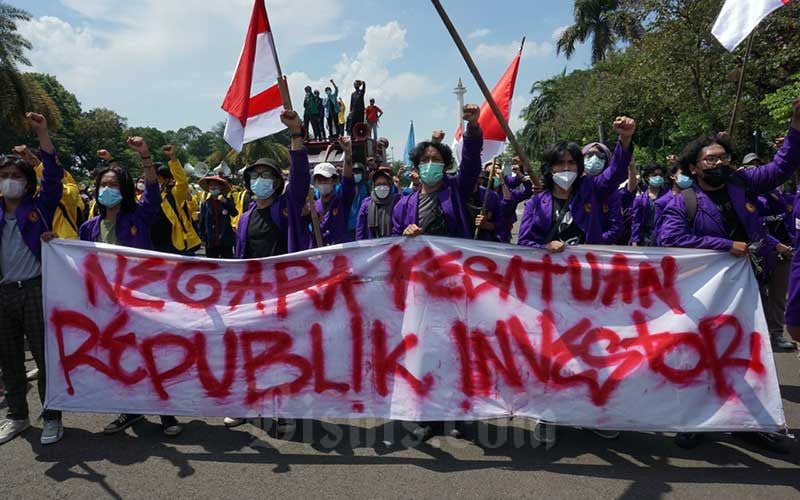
(564, 180)
(382, 191)
(140, 186)
(12, 188)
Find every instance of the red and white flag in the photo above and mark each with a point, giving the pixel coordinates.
(253, 101)
(494, 138)
(738, 18)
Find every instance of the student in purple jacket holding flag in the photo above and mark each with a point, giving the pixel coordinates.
(721, 213)
(25, 216)
(569, 211)
(273, 224)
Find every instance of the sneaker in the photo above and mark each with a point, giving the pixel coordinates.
(285, 425)
(606, 434)
(423, 433)
(121, 423)
(783, 344)
(772, 441)
(688, 440)
(52, 432)
(170, 426)
(231, 422)
(32, 375)
(545, 433)
(9, 429)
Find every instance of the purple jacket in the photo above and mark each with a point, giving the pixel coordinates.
(508, 209)
(793, 304)
(133, 228)
(286, 210)
(708, 229)
(776, 206)
(614, 220)
(35, 213)
(454, 194)
(363, 231)
(333, 222)
(639, 215)
(586, 207)
(661, 205)
(492, 207)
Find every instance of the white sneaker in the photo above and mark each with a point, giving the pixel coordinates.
(9, 429)
(52, 432)
(32, 375)
(231, 422)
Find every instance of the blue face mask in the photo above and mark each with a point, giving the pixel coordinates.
(431, 173)
(215, 192)
(495, 183)
(656, 181)
(262, 188)
(594, 165)
(109, 197)
(358, 178)
(684, 181)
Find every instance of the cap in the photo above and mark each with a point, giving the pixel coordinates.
(326, 170)
(749, 158)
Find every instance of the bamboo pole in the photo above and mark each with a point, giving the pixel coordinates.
(740, 87)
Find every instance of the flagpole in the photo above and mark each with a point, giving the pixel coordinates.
(283, 86)
(487, 94)
(740, 87)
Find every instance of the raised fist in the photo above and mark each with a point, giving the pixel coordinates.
(292, 121)
(103, 154)
(169, 150)
(624, 126)
(37, 122)
(139, 145)
(471, 113)
(346, 145)
(26, 155)
(437, 136)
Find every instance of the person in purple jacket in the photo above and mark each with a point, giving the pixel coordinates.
(596, 158)
(679, 182)
(439, 207)
(726, 216)
(484, 225)
(375, 213)
(333, 205)
(25, 216)
(273, 224)
(124, 221)
(517, 189)
(568, 211)
(643, 212)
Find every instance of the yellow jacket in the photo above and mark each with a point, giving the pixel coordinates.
(65, 221)
(239, 198)
(184, 236)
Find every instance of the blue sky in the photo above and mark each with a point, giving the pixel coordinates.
(168, 63)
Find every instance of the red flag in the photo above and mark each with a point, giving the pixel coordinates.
(494, 138)
(253, 101)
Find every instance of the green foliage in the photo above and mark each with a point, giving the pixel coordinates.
(675, 79)
(779, 104)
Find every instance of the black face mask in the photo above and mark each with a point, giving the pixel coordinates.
(717, 176)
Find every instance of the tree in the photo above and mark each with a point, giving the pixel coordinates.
(12, 44)
(97, 129)
(604, 22)
(70, 109)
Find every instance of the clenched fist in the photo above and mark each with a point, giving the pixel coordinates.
(37, 122)
(103, 154)
(471, 113)
(139, 145)
(26, 155)
(169, 150)
(625, 127)
(292, 121)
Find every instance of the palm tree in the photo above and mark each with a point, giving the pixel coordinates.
(605, 21)
(12, 44)
(538, 115)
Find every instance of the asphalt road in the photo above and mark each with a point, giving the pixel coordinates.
(376, 459)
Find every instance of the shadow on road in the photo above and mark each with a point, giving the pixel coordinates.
(650, 461)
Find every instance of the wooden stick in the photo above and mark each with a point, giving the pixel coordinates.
(487, 94)
(740, 87)
(486, 197)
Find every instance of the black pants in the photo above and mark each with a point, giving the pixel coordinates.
(220, 252)
(315, 121)
(22, 316)
(333, 125)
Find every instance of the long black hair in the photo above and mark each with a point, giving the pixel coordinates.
(25, 168)
(553, 154)
(126, 187)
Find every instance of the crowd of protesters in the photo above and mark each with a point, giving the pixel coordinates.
(589, 194)
(330, 110)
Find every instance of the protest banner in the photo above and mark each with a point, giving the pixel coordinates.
(414, 329)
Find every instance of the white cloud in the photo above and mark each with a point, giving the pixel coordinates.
(506, 52)
(558, 32)
(518, 103)
(480, 33)
(382, 45)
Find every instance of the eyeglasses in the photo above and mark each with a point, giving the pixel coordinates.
(713, 160)
(264, 175)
